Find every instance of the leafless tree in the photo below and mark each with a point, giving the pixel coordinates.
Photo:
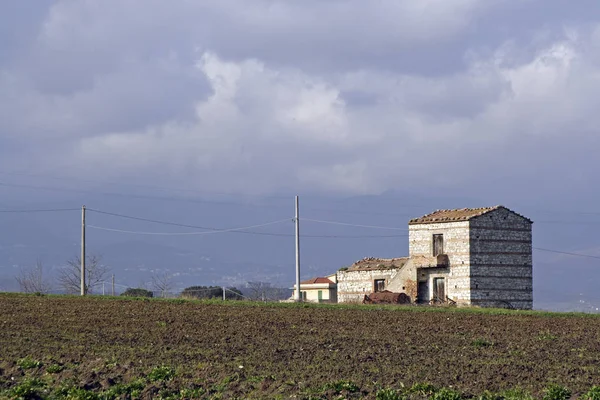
(95, 273)
(263, 291)
(32, 280)
(162, 283)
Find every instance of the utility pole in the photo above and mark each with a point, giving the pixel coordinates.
(83, 288)
(223, 292)
(113, 284)
(298, 296)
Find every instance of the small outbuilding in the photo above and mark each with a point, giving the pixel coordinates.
(318, 290)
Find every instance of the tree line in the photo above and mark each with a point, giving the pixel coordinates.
(34, 280)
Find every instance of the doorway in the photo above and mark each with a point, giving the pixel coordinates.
(439, 289)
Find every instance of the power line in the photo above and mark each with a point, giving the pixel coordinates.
(354, 225)
(220, 229)
(236, 230)
(567, 253)
(188, 233)
(156, 221)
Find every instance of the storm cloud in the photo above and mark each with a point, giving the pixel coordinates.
(334, 96)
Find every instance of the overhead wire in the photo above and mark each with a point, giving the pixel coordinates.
(191, 233)
(567, 253)
(212, 229)
(239, 231)
(353, 225)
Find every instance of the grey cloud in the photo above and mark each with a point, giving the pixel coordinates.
(326, 96)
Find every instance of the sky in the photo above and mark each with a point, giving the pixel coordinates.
(335, 96)
(492, 101)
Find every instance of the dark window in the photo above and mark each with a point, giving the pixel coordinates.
(379, 285)
(438, 244)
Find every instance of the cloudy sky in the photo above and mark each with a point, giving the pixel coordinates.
(320, 96)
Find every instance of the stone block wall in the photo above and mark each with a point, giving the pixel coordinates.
(501, 260)
(456, 246)
(352, 286)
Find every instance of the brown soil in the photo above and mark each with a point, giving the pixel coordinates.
(264, 351)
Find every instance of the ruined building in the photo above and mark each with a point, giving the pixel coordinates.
(472, 256)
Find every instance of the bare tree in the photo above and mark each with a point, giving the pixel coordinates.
(162, 283)
(263, 291)
(95, 273)
(32, 280)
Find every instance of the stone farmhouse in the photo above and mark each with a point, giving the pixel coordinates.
(471, 257)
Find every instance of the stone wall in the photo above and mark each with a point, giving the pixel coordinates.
(352, 286)
(501, 260)
(489, 263)
(456, 246)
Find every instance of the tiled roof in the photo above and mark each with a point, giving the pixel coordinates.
(463, 214)
(316, 280)
(373, 263)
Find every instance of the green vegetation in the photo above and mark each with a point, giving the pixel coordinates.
(592, 394)
(162, 373)
(54, 369)
(28, 388)
(137, 292)
(547, 335)
(211, 292)
(556, 392)
(29, 363)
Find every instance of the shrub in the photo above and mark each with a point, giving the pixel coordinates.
(28, 389)
(487, 395)
(343, 385)
(132, 389)
(556, 392)
(137, 292)
(424, 389)
(389, 394)
(516, 394)
(197, 393)
(75, 393)
(54, 369)
(446, 394)
(163, 373)
(29, 363)
(592, 394)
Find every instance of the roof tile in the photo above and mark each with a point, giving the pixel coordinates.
(457, 215)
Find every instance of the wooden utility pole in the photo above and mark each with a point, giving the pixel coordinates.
(113, 284)
(298, 296)
(83, 288)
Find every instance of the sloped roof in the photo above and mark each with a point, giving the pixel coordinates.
(316, 280)
(373, 263)
(457, 215)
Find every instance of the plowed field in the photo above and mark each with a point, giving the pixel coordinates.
(119, 348)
